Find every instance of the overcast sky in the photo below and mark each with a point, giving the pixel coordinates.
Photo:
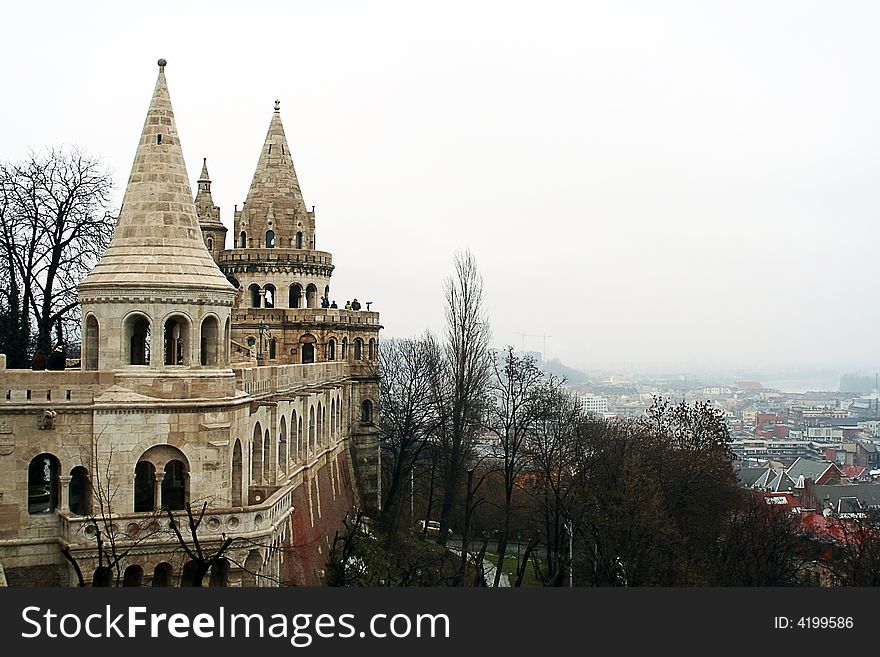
(673, 184)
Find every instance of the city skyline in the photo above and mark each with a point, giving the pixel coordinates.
(679, 188)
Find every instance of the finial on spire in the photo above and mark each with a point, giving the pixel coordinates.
(162, 63)
(277, 105)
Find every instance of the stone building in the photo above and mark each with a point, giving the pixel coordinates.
(208, 376)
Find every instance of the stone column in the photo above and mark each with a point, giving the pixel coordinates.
(157, 491)
(262, 298)
(63, 489)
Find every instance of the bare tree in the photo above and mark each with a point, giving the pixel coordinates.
(460, 383)
(54, 225)
(513, 409)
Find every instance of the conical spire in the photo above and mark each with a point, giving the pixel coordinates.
(208, 213)
(157, 242)
(204, 177)
(275, 179)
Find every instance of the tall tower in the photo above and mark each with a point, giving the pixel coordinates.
(156, 300)
(213, 231)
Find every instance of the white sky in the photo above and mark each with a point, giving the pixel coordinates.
(683, 184)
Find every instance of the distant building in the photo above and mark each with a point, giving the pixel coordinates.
(594, 404)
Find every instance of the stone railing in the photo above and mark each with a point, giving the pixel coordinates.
(41, 387)
(339, 316)
(153, 526)
(281, 256)
(275, 378)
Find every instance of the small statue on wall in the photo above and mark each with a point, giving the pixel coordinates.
(48, 419)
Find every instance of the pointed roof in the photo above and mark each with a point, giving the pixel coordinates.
(275, 182)
(157, 242)
(208, 213)
(204, 177)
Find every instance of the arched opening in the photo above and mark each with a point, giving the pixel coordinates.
(358, 349)
(299, 240)
(133, 576)
(103, 576)
(137, 339)
(226, 339)
(254, 295)
(312, 430)
(371, 351)
(300, 450)
(321, 440)
(236, 474)
(327, 293)
(311, 296)
(92, 343)
(188, 575)
(209, 346)
(331, 349)
(174, 495)
(366, 411)
(307, 348)
(144, 487)
(295, 295)
(242, 240)
(79, 492)
(219, 572)
(176, 340)
(273, 345)
(43, 483)
(270, 239)
(344, 348)
(282, 445)
(210, 244)
(267, 458)
(332, 417)
(257, 455)
(269, 295)
(162, 574)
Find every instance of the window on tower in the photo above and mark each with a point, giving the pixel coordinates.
(270, 239)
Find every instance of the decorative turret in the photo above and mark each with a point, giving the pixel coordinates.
(213, 231)
(156, 298)
(274, 214)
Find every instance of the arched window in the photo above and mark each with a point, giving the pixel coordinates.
(272, 347)
(79, 492)
(257, 455)
(210, 244)
(226, 339)
(219, 572)
(269, 291)
(137, 339)
(371, 352)
(307, 348)
(299, 240)
(366, 411)
(188, 574)
(176, 340)
(358, 349)
(254, 294)
(320, 424)
(270, 239)
(268, 458)
(144, 487)
(133, 576)
(331, 349)
(103, 576)
(311, 296)
(282, 445)
(344, 348)
(332, 417)
(162, 574)
(92, 343)
(236, 474)
(209, 347)
(297, 426)
(43, 484)
(252, 566)
(174, 485)
(242, 240)
(295, 295)
(312, 430)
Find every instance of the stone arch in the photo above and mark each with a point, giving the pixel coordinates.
(311, 296)
(175, 486)
(298, 242)
(242, 240)
(311, 429)
(358, 349)
(331, 349)
(163, 573)
(172, 484)
(209, 345)
(269, 295)
(320, 419)
(268, 457)
(273, 348)
(270, 239)
(92, 346)
(254, 295)
(219, 572)
(282, 445)
(344, 348)
(43, 484)
(103, 576)
(176, 339)
(257, 455)
(236, 473)
(79, 492)
(252, 565)
(294, 296)
(210, 242)
(371, 350)
(133, 576)
(307, 348)
(136, 331)
(300, 451)
(226, 340)
(188, 575)
(332, 416)
(366, 411)
(144, 487)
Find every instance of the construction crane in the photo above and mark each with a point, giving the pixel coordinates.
(525, 335)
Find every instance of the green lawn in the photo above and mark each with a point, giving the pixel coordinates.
(510, 569)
